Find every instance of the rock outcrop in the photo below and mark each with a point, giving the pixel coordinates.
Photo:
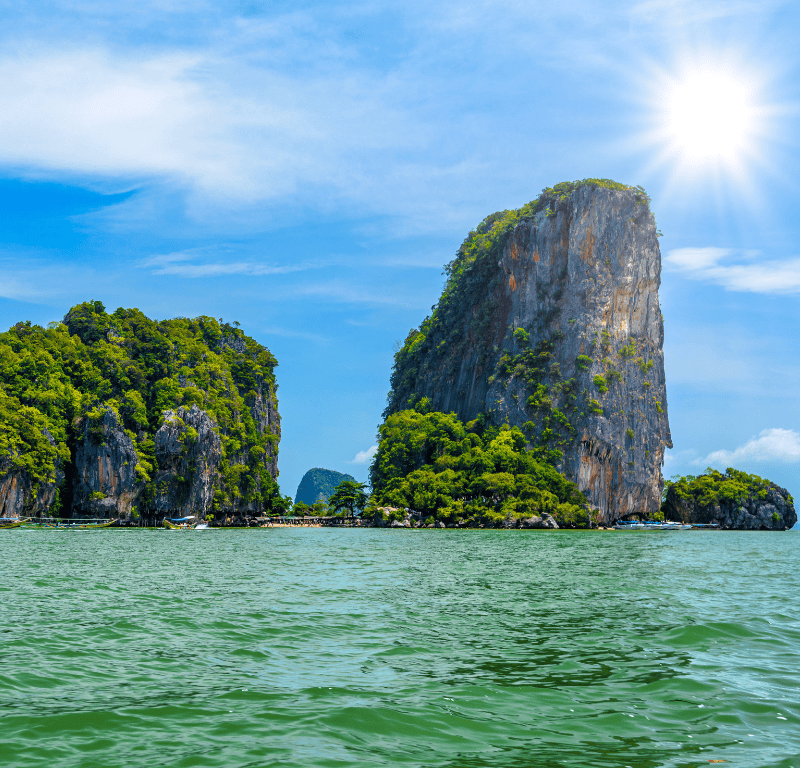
(106, 483)
(188, 452)
(770, 510)
(550, 321)
(21, 495)
(546, 521)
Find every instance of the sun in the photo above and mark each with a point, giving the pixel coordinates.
(710, 118)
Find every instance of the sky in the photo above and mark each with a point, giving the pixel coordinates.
(307, 169)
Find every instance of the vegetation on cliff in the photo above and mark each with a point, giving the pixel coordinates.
(472, 272)
(56, 381)
(475, 473)
(714, 487)
(731, 499)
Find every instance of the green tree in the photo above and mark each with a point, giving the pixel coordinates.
(479, 473)
(349, 495)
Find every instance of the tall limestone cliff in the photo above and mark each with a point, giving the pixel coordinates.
(188, 452)
(550, 321)
(105, 478)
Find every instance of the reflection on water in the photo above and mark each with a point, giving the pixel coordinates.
(334, 647)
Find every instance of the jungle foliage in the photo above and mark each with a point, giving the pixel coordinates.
(475, 473)
(53, 379)
(716, 488)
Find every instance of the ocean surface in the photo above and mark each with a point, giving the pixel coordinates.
(320, 647)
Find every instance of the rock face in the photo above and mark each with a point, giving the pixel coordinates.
(264, 407)
(17, 495)
(188, 452)
(550, 321)
(775, 512)
(318, 485)
(547, 521)
(106, 482)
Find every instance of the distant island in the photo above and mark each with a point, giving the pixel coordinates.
(318, 485)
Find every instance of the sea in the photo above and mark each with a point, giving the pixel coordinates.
(310, 647)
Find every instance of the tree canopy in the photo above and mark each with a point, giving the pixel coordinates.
(53, 378)
(447, 470)
(350, 495)
(714, 487)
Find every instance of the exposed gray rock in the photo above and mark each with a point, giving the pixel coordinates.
(188, 451)
(546, 521)
(105, 483)
(776, 512)
(580, 279)
(20, 495)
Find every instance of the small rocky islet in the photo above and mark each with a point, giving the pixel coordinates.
(533, 396)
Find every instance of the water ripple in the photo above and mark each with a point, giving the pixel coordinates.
(467, 649)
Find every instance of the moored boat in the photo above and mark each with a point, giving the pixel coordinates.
(628, 525)
(189, 523)
(69, 524)
(11, 522)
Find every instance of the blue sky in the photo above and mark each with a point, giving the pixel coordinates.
(307, 168)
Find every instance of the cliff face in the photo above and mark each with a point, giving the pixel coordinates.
(772, 510)
(105, 468)
(188, 451)
(550, 321)
(21, 494)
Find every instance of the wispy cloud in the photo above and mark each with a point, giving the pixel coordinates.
(364, 457)
(42, 279)
(771, 445)
(293, 333)
(231, 130)
(679, 12)
(736, 272)
(349, 293)
(179, 264)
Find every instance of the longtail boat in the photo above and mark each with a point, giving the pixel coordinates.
(11, 522)
(70, 524)
(179, 523)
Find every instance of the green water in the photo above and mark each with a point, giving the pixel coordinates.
(324, 647)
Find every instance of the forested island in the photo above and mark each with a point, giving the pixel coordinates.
(118, 415)
(533, 396)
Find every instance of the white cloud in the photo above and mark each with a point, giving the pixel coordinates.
(233, 131)
(364, 457)
(771, 445)
(680, 12)
(340, 291)
(749, 275)
(176, 264)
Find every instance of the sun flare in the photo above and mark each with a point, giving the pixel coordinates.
(709, 119)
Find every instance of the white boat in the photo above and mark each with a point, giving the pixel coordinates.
(650, 525)
(628, 525)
